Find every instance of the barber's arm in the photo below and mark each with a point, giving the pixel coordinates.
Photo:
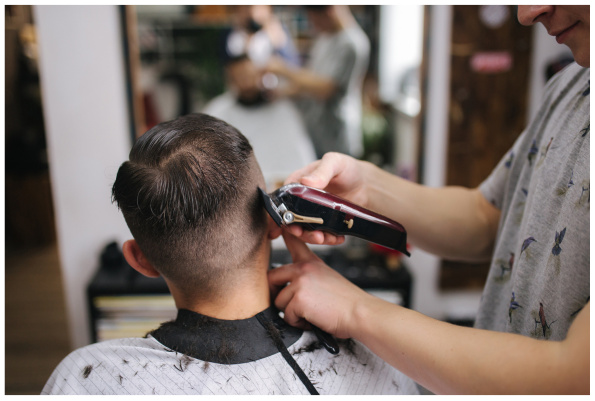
(442, 357)
(451, 222)
(302, 81)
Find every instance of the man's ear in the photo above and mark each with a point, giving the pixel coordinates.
(274, 230)
(136, 258)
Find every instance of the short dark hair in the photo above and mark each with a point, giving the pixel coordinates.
(316, 7)
(236, 59)
(189, 196)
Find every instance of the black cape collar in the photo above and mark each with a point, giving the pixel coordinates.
(226, 341)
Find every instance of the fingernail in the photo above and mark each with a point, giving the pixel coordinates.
(311, 178)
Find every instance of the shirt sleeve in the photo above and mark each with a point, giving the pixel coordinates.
(492, 188)
(495, 186)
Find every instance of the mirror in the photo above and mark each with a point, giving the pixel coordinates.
(187, 60)
(180, 68)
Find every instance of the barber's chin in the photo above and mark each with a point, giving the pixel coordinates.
(583, 61)
(581, 52)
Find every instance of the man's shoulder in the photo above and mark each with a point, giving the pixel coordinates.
(120, 343)
(109, 350)
(86, 369)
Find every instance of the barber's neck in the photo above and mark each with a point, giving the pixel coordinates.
(247, 294)
(343, 19)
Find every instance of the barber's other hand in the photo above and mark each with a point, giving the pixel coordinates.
(338, 174)
(315, 294)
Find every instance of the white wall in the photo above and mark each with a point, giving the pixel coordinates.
(425, 267)
(84, 101)
(400, 46)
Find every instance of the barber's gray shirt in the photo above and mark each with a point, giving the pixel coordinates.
(335, 124)
(539, 277)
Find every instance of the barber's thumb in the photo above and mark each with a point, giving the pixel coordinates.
(297, 248)
(315, 179)
(330, 165)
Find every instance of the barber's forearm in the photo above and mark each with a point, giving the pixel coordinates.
(446, 358)
(451, 222)
(309, 83)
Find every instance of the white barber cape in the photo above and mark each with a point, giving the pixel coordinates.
(275, 130)
(196, 354)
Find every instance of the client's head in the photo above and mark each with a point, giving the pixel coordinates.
(189, 196)
(245, 81)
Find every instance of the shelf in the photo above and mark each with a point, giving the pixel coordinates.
(124, 303)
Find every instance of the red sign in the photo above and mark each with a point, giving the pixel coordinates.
(491, 62)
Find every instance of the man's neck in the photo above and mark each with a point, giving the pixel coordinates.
(343, 20)
(248, 293)
(243, 302)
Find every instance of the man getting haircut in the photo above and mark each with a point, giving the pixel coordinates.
(189, 194)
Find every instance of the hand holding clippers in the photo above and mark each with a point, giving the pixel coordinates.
(316, 209)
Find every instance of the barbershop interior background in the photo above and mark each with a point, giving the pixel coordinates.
(448, 88)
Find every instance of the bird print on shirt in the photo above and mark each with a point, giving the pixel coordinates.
(554, 261)
(565, 188)
(520, 206)
(508, 161)
(556, 250)
(526, 244)
(585, 197)
(532, 152)
(542, 321)
(510, 264)
(505, 268)
(543, 153)
(512, 307)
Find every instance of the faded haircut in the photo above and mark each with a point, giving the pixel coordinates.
(189, 196)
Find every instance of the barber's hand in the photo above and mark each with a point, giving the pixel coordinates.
(316, 293)
(338, 174)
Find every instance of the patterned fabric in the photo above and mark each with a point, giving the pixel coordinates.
(147, 366)
(539, 276)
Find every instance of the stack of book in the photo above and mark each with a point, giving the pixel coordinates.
(121, 316)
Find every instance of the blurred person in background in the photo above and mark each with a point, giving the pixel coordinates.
(328, 90)
(258, 33)
(274, 127)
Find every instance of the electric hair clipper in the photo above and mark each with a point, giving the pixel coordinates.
(316, 209)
